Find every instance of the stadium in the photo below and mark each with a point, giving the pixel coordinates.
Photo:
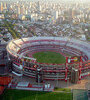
(76, 53)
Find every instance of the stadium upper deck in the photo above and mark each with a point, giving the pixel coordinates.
(16, 45)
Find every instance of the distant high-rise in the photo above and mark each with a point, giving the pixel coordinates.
(39, 8)
(22, 9)
(18, 10)
(55, 14)
(1, 7)
(5, 6)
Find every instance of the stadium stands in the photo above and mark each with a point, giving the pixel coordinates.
(17, 50)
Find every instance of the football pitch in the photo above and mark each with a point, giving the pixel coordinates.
(49, 57)
(34, 95)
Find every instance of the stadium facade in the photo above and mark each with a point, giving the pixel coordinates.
(28, 66)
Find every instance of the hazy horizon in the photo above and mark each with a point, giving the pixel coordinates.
(50, 0)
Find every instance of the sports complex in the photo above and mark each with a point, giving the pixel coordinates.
(30, 57)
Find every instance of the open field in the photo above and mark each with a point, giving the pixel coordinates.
(33, 95)
(49, 57)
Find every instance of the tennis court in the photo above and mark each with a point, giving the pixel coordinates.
(80, 94)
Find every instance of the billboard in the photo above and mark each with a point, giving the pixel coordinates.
(73, 59)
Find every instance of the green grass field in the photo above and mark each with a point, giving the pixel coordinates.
(49, 57)
(63, 89)
(33, 95)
